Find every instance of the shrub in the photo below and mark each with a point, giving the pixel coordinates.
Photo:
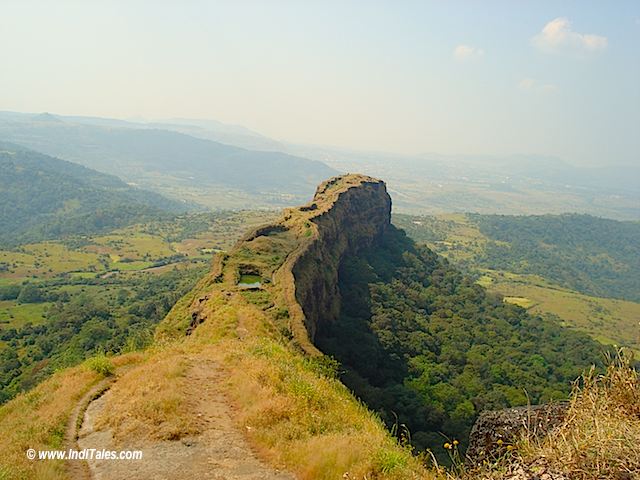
(101, 364)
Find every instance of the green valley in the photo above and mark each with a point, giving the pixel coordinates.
(429, 349)
(578, 270)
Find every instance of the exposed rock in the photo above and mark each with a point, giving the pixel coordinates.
(351, 212)
(495, 430)
(347, 213)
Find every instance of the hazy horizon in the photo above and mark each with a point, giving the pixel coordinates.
(406, 78)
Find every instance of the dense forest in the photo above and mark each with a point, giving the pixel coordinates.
(596, 256)
(427, 348)
(42, 197)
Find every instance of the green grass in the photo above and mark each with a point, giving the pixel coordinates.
(485, 281)
(131, 266)
(82, 274)
(14, 315)
(523, 302)
(46, 260)
(249, 279)
(101, 364)
(609, 321)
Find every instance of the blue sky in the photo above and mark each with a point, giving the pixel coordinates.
(493, 77)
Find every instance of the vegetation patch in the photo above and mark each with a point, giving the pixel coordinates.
(598, 439)
(427, 348)
(566, 265)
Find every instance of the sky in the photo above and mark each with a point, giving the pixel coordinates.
(557, 78)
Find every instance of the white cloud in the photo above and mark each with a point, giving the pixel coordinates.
(465, 52)
(557, 36)
(531, 84)
(527, 83)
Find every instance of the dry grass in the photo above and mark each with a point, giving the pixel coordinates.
(599, 439)
(37, 419)
(601, 435)
(295, 415)
(292, 413)
(150, 400)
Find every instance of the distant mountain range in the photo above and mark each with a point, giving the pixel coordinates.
(171, 162)
(44, 197)
(230, 166)
(511, 184)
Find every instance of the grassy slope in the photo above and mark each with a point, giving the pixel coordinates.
(607, 320)
(598, 438)
(293, 406)
(290, 409)
(38, 419)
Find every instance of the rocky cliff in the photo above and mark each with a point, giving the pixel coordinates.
(298, 258)
(348, 213)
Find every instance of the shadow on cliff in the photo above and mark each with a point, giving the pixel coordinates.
(374, 366)
(425, 346)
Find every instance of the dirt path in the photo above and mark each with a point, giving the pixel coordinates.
(220, 452)
(79, 469)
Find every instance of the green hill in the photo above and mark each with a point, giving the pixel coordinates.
(577, 270)
(592, 255)
(172, 163)
(427, 348)
(44, 197)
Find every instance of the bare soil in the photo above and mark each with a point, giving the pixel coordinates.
(219, 452)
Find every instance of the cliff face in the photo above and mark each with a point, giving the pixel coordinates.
(353, 211)
(297, 257)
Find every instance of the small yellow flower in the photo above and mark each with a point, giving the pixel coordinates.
(500, 442)
(510, 447)
(456, 442)
(447, 446)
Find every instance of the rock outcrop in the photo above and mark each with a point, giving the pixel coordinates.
(349, 213)
(494, 431)
(298, 258)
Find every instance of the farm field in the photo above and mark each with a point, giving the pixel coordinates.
(139, 247)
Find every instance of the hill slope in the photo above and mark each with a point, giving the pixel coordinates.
(578, 270)
(429, 349)
(43, 197)
(171, 162)
(595, 256)
(418, 339)
(259, 317)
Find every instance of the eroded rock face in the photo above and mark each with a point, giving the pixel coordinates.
(495, 430)
(347, 213)
(358, 213)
